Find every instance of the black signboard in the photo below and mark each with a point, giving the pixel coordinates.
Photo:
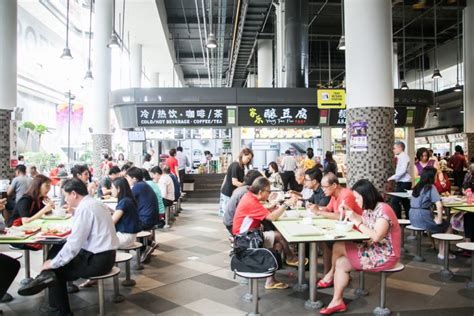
(403, 116)
(181, 116)
(278, 116)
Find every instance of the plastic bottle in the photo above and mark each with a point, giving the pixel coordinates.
(469, 196)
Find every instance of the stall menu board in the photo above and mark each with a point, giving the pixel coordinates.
(278, 116)
(403, 116)
(150, 116)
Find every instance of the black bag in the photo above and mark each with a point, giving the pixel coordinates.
(259, 260)
(250, 239)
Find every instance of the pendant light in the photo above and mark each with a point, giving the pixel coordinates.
(457, 87)
(436, 73)
(88, 75)
(435, 115)
(404, 85)
(113, 42)
(66, 51)
(342, 40)
(211, 38)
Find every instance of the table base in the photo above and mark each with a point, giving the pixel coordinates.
(378, 311)
(310, 305)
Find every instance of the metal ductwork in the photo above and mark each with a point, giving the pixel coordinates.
(296, 43)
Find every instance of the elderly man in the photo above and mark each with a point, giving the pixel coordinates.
(89, 250)
(298, 189)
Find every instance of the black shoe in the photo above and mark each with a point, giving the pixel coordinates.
(43, 280)
(6, 298)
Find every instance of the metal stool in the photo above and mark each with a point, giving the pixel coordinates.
(135, 246)
(403, 223)
(167, 217)
(469, 246)
(446, 238)
(253, 277)
(100, 281)
(382, 310)
(419, 236)
(361, 291)
(119, 258)
(26, 259)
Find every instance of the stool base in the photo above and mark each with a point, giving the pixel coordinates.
(118, 298)
(446, 274)
(300, 287)
(310, 305)
(470, 285)
(379, 311)
(361, 292)
(418, 259)
(247, 298)
(129, 282)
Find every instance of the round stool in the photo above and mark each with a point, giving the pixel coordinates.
(119, 258)
(419, 236)
(143, 234)
(135, 246)
(125, 257)
(446, 238)
(100, 281)
(253, 277)
(469, 246)
(403, 223)
(26, 259)
(382, 310)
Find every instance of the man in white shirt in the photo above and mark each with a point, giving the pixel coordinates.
(89, 250)
(183, 162)
(288, 166)
(402, 178)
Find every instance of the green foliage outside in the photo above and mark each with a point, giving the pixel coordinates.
(43, 161)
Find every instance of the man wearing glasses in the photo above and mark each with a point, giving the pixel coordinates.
(312, 181)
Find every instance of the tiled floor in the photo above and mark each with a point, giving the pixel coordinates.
(189, 275)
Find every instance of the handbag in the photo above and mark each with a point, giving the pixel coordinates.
(260, 260)
(457, 221)
(251, 239)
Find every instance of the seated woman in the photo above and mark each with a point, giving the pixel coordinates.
(380, 252)
(34, 203)
(421, 216)
(275, 177)
(442, 183)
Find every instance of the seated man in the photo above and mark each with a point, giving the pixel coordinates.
(298, 189)
(89, 250)
(237, 196)
(105, 186)
(312, 181)
(340, 198)
(250, 206)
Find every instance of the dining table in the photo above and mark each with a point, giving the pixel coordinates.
(318, 230)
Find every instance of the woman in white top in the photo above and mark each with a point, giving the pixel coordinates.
(275, 178)
(165, 183)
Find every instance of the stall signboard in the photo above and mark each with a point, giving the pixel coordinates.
(151, 116)
(403, 116)
(278, 116)
(331, 98)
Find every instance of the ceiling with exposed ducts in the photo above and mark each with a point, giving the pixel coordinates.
(238, 24)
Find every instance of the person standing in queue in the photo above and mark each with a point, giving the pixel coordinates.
(458, 162)
(234, 177)
(288, 166)
(183, 162)
(340, 198)
(89, 250)
(402, 178)
(172, 163)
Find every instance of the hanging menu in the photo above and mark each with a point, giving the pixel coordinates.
(150, 116)
(278, 116)
(403, 116)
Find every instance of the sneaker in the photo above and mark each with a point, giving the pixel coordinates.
(451, 257)
(148, 251)
(43, 280)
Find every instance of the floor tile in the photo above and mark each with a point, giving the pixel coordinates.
(208, 307)
(214, 281)
(151, 303)
(202, 250)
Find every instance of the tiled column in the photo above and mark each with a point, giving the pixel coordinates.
(369, 83)
(468, 45)
(101, 139)
(8, 83)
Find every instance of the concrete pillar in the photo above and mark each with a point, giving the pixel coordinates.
(369, 83)
(265, 63)
(136, 65)
(468, 56)
(155, 80)
(8, 84)
(325, 139)
(236, 140)
(251, 81)
(101, 56)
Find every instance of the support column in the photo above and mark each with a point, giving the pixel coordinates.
(8, 84)
(279, 43)
(265, 63)
(136, 66)
(155, 80)
(369, 83)
(468, 58)
(296, 43)
(236, 147)
(326, 140)
(251, 81)
(101, 138)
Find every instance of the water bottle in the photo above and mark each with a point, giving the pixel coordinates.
(469, 196)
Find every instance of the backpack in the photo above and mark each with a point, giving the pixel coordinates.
(259, 260)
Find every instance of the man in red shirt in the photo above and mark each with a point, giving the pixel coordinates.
(341, 198)
(172, 162)
(250, 213)
(458, 162)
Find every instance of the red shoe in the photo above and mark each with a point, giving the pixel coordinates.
(336, 309)
(324, 285)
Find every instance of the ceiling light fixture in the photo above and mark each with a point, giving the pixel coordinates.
(342, 40)
(436, 73)
(437, 106)
(88, 75)
(435, 115)
(113, 42)
(457, 88)
(404, 85)
(211, 38)
(66, 51)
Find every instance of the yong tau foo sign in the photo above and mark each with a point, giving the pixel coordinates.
(278, 116)
(151, 116)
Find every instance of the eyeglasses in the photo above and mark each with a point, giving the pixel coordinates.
(269, 191)
(326, 186)
(308, 180)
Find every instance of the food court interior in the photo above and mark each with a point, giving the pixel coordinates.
(256, 157)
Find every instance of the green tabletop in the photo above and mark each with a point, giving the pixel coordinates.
(36, 238)
(291, 231)
(464, 208)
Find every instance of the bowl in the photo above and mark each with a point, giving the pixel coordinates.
(343, 226)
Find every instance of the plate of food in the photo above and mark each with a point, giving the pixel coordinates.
(18, 232)
(56, 232)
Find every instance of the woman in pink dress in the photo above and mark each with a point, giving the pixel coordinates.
(380, 252)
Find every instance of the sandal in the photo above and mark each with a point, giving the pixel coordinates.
(277, 286)
(295, 263)
(320, 284)
(88, 283)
